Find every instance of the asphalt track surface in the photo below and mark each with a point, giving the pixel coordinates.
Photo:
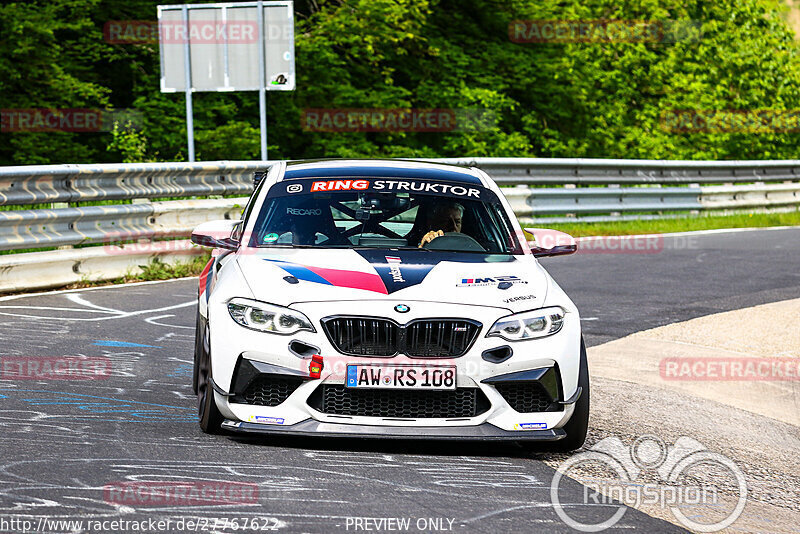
(68, 445)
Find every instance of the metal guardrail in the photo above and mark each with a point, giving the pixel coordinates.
(82, 183)
(513, 171)
(38, 184)
(631, 186)
(25, 229)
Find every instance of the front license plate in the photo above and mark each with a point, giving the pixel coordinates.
(401, 376)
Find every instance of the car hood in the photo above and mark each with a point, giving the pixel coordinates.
(287, 276)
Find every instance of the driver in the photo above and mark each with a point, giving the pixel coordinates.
(445, 217)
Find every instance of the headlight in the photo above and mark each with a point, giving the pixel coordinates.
(268, 317)
(529, 325)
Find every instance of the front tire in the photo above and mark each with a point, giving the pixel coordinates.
(208, 414)
(198, 344)
(578, 425)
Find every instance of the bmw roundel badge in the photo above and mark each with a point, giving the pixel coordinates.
(401, 308)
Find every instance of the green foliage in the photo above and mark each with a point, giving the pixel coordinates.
(549, 100)
(159, 270)
(131, 144)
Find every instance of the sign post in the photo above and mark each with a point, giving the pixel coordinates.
(243, 46)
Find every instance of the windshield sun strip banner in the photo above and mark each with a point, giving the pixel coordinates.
(465, 191)
(327, 173)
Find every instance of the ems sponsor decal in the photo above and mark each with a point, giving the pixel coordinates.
(530, 426)
(294, 188)
(396, 185)
(519, 298)
(266, 419)
(490, 280)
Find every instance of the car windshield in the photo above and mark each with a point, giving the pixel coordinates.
(384, 213)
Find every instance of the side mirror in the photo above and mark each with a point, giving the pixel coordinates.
(551, 242)
(216, 234)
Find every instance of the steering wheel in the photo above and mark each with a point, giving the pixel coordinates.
(454, 241)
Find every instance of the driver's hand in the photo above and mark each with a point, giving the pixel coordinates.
(430, 236)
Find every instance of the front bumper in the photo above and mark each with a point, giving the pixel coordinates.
(482, 432)
(299, 413)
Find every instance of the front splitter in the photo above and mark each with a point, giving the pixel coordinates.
(482, 432)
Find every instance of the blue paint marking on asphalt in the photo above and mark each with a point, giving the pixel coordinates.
(3, 397)
(182, 370)
(136, 410)
(102, 343)
(80, 395)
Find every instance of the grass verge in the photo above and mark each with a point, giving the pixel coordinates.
(155, 270)
(683, 224)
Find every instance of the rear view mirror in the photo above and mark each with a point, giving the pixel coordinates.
(216, 234)
(550, 242)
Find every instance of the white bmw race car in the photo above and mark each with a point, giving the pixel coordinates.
(386, 299)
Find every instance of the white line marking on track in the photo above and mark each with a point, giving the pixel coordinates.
(152, 320)
(98, 288)
(123, 315)
(78, 299)
(52, 308)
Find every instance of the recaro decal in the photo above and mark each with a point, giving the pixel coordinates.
(300, 211)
